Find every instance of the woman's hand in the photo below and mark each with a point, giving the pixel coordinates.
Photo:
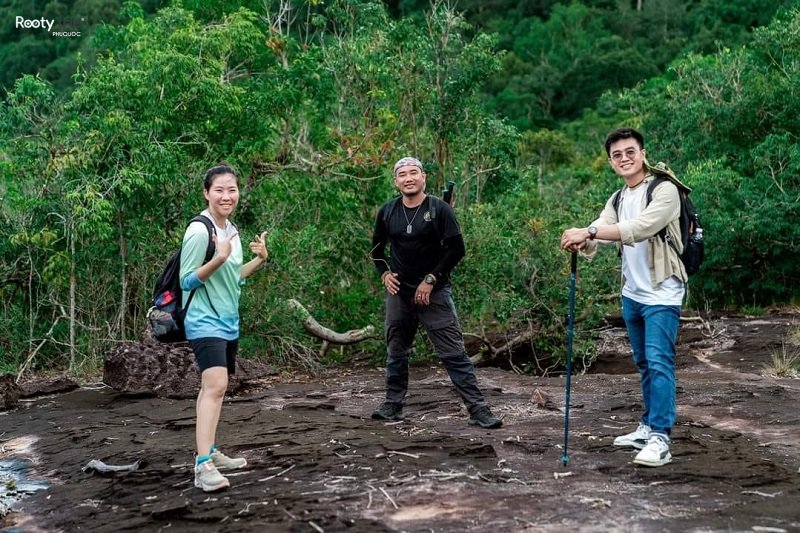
(259, 246)
(223, 245)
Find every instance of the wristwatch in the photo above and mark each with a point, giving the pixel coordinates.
(430, 279)
(592, 231)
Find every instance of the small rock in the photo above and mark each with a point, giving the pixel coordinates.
(542, 400)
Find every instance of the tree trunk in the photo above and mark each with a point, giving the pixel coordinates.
(72, 290)
(123, 256)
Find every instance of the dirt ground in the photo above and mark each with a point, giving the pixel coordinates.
(317, 462)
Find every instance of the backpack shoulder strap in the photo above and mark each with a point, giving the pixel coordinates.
(615, 201)
(209, 253)
(389, 211)
(211, 231)
(682, 192)
(434, 206)
(659, 179)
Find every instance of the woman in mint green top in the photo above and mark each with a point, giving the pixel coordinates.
(212, 321)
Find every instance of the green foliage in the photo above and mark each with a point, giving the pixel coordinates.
(114, 168)
(727, 119)
(54, 58)
(315, 103)
(564, 56)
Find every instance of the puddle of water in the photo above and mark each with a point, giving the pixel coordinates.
(15, 483)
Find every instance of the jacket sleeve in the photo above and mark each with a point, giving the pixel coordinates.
(608, 217)
(664, 207)
(380, 237)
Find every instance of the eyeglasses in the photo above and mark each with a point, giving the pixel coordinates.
(630, 153)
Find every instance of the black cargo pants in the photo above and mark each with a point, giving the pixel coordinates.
(441, 324)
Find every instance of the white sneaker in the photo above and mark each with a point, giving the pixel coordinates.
(656, 453)
(208, 478)
(223, 462)
(638, 439)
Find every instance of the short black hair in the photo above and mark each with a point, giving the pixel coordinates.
(222, 168)
(623, 133)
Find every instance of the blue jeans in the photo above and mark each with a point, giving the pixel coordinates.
(653, 330)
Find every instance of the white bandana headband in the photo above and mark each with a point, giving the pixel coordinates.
(408, 161)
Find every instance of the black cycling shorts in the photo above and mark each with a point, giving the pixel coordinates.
(213, 351)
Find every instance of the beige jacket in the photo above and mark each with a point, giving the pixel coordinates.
(664, 210)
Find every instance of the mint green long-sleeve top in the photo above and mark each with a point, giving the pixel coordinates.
(222, 289)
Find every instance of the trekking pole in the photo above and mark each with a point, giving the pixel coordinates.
(570, 328)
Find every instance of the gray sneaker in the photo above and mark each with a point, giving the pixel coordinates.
(638, 439)
(656, 453)
(482, 416)
(208, 478)
(223, 462)
(388, 411)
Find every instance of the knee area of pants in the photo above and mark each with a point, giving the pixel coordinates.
(455, 358)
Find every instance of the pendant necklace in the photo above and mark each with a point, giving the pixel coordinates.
(409, 222)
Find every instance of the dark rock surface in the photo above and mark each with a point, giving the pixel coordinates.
(317, 462)
(9, 392)
(152, 368)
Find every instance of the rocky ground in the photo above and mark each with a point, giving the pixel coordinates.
(317, 462)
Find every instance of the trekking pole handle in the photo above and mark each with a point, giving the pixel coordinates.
(573, 266)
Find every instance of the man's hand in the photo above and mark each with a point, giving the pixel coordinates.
(574, 239)
(391, 282)
(423, 294)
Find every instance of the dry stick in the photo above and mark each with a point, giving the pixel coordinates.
(282, 472)
(315, 526)
(48, 335)
(412, 455)
(388, 497)
(765, 494)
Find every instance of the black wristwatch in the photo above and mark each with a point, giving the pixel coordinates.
(592, 232)
(430, 279)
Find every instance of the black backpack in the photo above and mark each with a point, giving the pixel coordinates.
(691, 230)
(166, 315)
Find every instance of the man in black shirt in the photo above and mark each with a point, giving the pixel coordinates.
(426, 244)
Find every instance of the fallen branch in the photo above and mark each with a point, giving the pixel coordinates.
(495, 352)
(327, 335)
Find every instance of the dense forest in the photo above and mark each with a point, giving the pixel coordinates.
(104, 138)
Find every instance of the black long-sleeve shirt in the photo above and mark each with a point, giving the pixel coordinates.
(433, 246)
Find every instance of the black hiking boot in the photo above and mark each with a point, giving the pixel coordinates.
(388, 411)
(482, 416)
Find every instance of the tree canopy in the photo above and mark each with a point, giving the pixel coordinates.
(314, 101)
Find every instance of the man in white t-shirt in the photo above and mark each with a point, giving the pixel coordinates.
(653, 285)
